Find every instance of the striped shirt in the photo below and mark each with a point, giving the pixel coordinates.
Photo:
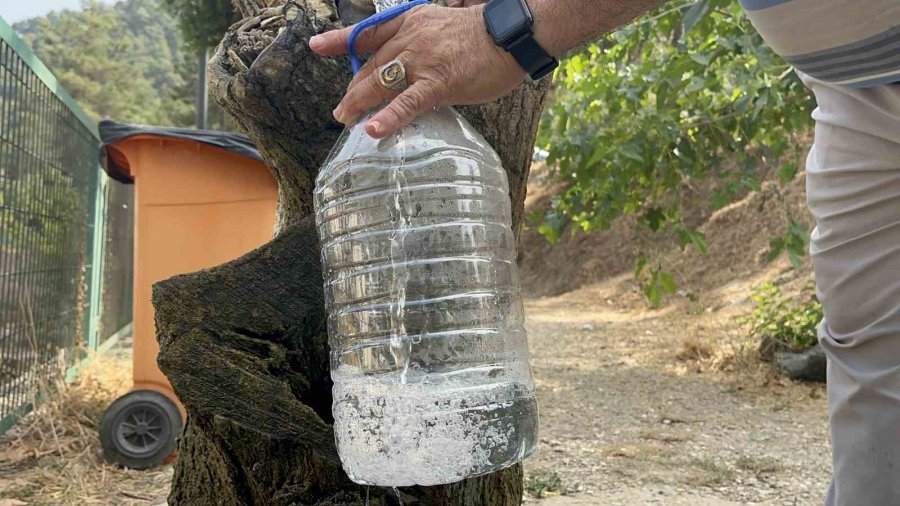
(850, 42)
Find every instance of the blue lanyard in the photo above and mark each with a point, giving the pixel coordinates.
(375, 20)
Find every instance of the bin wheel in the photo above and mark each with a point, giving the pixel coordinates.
(138, 430)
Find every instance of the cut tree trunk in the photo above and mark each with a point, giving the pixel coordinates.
(245, 344)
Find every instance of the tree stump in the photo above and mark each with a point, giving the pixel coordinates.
(245, 344)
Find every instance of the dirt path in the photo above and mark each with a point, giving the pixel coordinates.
(635, 409)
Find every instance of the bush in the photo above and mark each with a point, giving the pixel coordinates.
(544, 485)
(787, 321)
(687, 93)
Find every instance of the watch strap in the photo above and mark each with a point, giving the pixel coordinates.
(531, 56)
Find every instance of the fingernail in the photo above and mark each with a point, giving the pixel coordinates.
(338, 111)
(375, 128)
(316, 42)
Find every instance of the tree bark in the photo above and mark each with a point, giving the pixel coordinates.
(244, 344)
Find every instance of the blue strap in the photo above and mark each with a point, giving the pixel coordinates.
(374, 20)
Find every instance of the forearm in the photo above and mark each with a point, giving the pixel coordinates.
(561, 25)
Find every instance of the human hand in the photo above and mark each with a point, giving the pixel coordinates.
(449, 56)
(464, 3)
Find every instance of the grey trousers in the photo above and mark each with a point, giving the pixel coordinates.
(853, 189)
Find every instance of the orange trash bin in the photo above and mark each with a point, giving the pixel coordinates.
(202, 198)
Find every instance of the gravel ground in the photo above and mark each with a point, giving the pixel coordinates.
(641, 407)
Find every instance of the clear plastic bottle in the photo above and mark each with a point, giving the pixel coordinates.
(428, 350)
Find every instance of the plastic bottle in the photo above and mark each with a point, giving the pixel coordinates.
(428, 350)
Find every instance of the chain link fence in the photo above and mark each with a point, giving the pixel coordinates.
(65, 231)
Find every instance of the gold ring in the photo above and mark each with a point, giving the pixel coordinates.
(392, 75)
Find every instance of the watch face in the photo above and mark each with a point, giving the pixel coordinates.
(506, 18)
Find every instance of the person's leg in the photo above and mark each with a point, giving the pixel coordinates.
(853, 189)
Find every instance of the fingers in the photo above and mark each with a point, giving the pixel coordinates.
(464, 3)
(334, 43)
(415, 101)
(361, 97)
(366, 91)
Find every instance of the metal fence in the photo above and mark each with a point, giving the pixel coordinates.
(55, 208)
(117, 282)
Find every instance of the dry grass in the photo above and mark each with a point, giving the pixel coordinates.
(759, 466)
(709, 473)
(53, 455)
(667, 436)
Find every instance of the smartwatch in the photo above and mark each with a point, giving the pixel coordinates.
(510, 24)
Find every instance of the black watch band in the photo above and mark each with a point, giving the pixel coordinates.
(532, 57)
(511, 25)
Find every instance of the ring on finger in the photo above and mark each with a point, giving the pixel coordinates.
(392, 75)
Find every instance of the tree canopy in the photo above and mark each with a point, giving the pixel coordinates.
(688, 92)
(127, 62)
(202, 22)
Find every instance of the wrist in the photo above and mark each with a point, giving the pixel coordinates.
(507, 64)
(510, 24)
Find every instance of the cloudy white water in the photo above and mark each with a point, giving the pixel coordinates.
(424, 433)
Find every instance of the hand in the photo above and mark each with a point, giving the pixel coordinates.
(464, 3)
(449, 56)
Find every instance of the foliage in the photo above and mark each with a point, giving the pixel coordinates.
(540, 486)
(788, 320)
(658, 282)
(686, 93)
(202, 22)
(793, 242)
(126, 62)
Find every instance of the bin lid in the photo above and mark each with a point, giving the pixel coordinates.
(116, 166)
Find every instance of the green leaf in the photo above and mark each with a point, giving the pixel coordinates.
(654, 218)
(693, 16)
(701, 58)
(742, 105)
(549, 232)
(698, 241)
(667, 282)
(599, 154)
(795, 258)
(693, 238)
(661, 94)
(631, 151)
(776, 246)
(654, 294)
(696, 84)
(640, 265)
(552, 226)
(799, 230)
